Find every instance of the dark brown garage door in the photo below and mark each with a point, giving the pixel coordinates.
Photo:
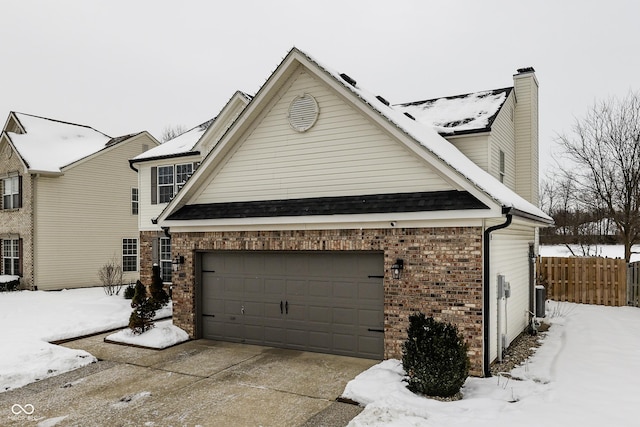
(327, 302)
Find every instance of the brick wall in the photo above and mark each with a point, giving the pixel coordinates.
(18, 223)
(442, 274)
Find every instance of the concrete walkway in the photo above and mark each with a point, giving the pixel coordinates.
(198, 383)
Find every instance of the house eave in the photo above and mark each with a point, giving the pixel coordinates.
(469, 218)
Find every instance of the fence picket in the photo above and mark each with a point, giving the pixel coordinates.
(601, 281)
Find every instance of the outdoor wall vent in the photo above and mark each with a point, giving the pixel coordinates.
(303, 112)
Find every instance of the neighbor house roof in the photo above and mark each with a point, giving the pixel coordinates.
(461, 114)
(181, 144)
(187, 142)
(49, 145)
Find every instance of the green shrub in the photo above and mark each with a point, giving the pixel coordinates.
(158, 294)
(141, 319)
(434, 356)
(129, 291)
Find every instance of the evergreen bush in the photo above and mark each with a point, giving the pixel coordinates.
(158, 294)
(434, 356)
(141, 319)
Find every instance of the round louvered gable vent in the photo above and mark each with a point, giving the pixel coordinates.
(303, 112)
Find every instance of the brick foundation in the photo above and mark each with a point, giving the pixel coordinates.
(442, 274)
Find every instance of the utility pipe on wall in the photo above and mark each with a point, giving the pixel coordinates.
(486, 294)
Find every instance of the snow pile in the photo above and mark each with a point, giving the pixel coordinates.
(583, 374)
(163, 335)
(33, 319)
(6, 278)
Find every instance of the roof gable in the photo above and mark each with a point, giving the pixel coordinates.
(419, 139)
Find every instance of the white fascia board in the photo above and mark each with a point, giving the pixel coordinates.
(379, 220)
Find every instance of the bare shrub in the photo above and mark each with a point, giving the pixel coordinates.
(111, 276)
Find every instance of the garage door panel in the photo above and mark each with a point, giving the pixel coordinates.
(333, 299)
(319, 288)
(344, 290)
(370, 292)
(296, 287)
(344, 316)
(319, 314)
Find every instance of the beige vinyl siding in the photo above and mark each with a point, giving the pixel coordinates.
(509, 256)
(475, 147)
(342, 154)
(526, 136)
(502, 139)
(82, 217)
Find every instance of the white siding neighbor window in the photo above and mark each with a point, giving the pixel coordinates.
(183, 172)
(129, 255)
(502, 167)
(165, 184)
(134, 201)
(11, 193)
(165, 259)
(11, 257)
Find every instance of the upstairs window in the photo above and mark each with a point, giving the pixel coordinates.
(134, 201)
(502, 166)
(166, 181)
(183, 172)
(165, 184)
(11, 193)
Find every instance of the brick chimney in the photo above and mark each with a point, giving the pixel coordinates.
(526, 133)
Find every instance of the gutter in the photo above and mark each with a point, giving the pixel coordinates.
(486, 291)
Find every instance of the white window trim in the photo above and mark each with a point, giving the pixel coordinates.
(125, 254)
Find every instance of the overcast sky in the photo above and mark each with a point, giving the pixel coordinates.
(125, 66)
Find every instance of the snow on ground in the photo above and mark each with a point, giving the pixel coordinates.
(606, 251)
(586, 373)
(163, 335)
(30, 320)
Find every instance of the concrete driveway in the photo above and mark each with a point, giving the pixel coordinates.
(198, 383)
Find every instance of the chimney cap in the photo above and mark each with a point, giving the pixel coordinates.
(526, 70)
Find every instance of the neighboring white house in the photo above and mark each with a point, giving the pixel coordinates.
(70, 202)
(324, 216)
(163, 170)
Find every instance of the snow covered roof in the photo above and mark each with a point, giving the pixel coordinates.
(429, 138)
(181, 144)
(49, 145)
(472, 112)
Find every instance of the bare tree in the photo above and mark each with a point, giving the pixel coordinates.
(111, 275)
(604, 163)
(171, 132)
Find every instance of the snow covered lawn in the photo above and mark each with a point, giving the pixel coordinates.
(606, 251)
(30, 320)
(586, 373)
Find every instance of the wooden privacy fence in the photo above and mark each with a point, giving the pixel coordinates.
(600, 281)
(633, 284)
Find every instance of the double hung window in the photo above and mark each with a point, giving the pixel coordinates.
(11, 193)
